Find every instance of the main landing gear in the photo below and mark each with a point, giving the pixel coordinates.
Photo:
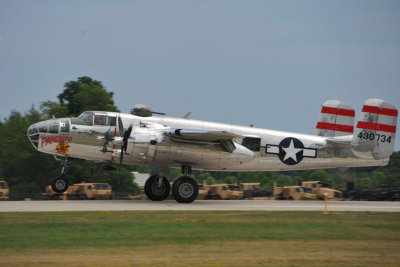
(184, 189)
(60, 184)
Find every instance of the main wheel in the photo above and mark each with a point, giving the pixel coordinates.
(59, 185)
(185, 190)
(156, 192)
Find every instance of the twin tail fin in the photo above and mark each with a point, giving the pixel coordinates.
(374, 135)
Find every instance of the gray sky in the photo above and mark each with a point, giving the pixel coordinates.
(267, 63)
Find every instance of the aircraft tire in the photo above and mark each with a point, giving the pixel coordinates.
(185, 190)
(153, 192)
(59, 185)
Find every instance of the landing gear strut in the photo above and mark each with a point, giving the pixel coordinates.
(60, 184)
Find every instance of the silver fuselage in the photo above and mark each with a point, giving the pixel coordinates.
(149, 144)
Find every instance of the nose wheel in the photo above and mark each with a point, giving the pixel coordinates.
(60, 184)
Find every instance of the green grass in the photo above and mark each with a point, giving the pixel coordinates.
(212, 238)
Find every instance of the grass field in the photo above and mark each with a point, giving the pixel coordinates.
(199, 238)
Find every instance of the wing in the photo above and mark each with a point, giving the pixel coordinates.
(196, 136)
(223, 138)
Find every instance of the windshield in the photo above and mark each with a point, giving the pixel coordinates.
(86, 118)
(101, 187)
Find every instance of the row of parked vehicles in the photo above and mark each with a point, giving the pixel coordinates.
(305, 191)
(81, 191)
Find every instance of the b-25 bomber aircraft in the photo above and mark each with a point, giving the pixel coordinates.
(142, 139)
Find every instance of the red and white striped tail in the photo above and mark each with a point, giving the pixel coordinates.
(336, 119)
(376, 130)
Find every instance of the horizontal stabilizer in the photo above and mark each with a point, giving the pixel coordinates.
(336, 119)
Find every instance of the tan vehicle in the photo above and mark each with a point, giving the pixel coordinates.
(225, 192)
(203, 191)
(4, 190)
(321, 189)
(295, 192)
(254, 190)
(82, 191)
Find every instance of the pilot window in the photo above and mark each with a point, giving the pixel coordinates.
(86, 117)
(100, 120)
(112, 121)
(252, 143)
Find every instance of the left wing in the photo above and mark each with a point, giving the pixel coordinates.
(201, 136)
(223, 138)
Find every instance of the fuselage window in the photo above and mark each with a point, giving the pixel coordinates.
(112, 121)
(252, 143)
(53, 128)
(64, 126)
(43, 128)
(100, 120)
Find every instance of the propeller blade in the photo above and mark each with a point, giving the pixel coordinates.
(120, 127)
(128, 133)
(125, 145)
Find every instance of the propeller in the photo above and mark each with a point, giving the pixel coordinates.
(125, 136)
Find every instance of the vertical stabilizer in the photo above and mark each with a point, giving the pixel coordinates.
(376, 130)
(336, 119)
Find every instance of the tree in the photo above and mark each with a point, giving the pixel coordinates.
(86, 94)
(50, 108)
(230, 180)
(206, 178)
(21, 165)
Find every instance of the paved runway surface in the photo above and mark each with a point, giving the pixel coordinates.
(90, 205)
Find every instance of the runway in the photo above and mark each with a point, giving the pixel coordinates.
(263, 205)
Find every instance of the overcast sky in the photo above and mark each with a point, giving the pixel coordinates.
(267, 63)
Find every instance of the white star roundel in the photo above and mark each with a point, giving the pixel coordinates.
(291, 151)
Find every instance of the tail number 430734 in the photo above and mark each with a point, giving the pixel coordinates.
(372, 136)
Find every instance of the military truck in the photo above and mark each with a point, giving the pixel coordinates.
(251, 190)
(82, 191)
(322, 189)
(295, 192)
(225, 192)
(4, 190)
(203, 191)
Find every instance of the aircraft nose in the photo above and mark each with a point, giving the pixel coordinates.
(33, 134)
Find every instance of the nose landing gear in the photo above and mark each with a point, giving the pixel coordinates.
(60, 184)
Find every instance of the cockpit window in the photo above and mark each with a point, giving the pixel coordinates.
(100, 120)
(86, 118)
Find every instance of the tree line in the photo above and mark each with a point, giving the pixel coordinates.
(29, 171)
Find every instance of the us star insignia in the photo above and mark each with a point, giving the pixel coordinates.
(291, 151)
